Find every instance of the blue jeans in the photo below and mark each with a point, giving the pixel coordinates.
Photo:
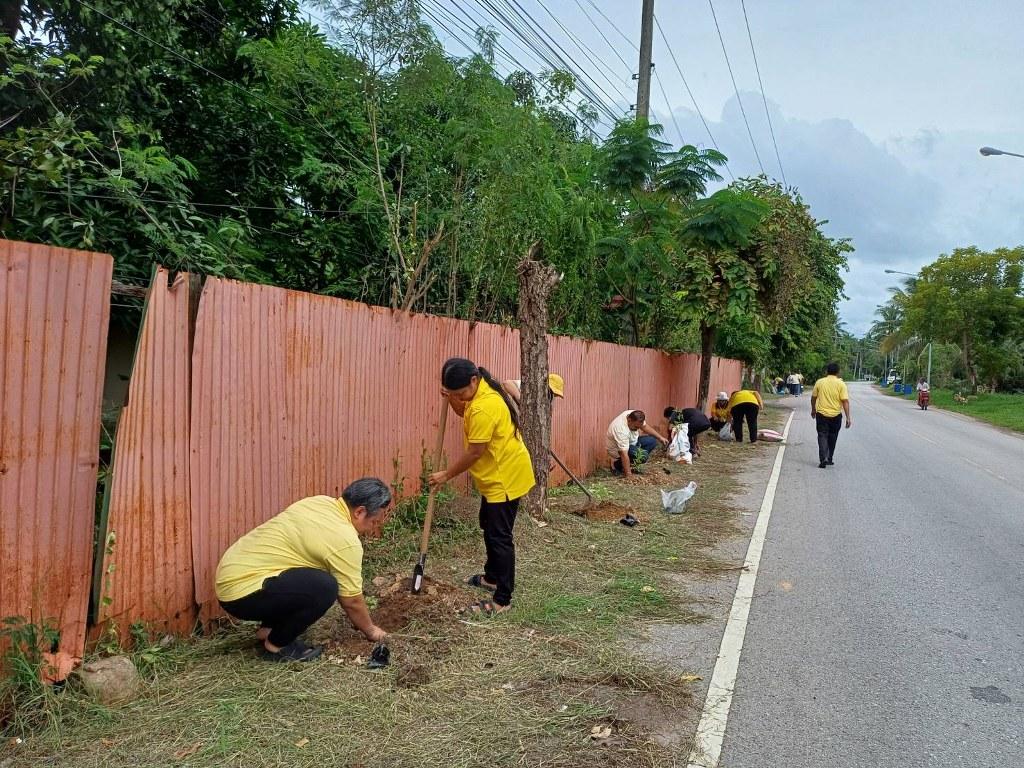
(646, 442)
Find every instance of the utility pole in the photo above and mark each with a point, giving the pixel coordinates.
(643, 78)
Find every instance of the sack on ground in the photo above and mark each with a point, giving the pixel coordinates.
(769, 435)
(679, 445)
(675, 501)
(725, 433)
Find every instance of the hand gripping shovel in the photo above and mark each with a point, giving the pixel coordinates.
(417, 572)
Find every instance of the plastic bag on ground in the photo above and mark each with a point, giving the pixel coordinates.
(769, 435)
(725, 433)
(679, 445)
(674, 502)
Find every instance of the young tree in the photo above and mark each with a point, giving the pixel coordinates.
(974, 299)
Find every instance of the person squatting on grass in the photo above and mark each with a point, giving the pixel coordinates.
(500, 465)
(286, 573)
(745, 404)
(720, 412)
(624, 443)
(695, 420)
(829, 400)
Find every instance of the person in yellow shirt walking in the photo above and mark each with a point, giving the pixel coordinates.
(499, 463)
(829, 400)
(286, 573)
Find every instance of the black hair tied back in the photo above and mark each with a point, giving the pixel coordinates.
(457, 372)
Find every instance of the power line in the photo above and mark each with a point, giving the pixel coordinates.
(239, 206)
(736, 88)
(764, 98)
(693, 99)
(603, 37)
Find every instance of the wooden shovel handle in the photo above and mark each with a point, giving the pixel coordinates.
(428, 518)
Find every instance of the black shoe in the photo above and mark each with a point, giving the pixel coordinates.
(822, 465)
(830, 462)
(294, 651)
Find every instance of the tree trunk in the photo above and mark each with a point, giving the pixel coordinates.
(536, 281)
(707, 345)
(11, 19)
(972, 375)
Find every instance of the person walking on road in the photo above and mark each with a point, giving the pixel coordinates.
(829, 401)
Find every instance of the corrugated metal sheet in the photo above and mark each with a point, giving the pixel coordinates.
(149, 512)
(296, 394)
(54, 308)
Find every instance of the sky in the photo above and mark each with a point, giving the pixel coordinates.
(878, 109)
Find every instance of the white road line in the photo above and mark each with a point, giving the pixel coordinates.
(711, 730)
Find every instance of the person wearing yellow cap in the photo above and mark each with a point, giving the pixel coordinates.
(556, 387)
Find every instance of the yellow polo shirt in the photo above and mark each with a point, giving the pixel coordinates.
(743, 396)
(504, 471)
(830, 391)
(720, 413)
(314, 532)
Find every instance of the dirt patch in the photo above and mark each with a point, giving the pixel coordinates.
(436, 608)
(604, 512)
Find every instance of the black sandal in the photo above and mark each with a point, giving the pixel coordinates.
(294, 651)
(477, 580)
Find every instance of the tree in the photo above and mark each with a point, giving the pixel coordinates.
(721, 271)
(974, 299)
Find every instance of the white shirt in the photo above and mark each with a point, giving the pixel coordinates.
(619, 436)
(923, 387)
(791, 379)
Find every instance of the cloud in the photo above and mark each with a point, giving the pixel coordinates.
(902, 202)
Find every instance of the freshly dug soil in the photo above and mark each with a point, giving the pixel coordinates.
(436, 606)
(605, 512)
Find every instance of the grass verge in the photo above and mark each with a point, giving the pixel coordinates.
(1001, 409)
(527, 688)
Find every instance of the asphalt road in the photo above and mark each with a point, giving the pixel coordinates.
(887, 627)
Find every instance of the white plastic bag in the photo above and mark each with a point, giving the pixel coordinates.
(769, 435)
(675, 501)
(725, 433)
(679, 445)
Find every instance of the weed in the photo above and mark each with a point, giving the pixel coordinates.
(24, 696)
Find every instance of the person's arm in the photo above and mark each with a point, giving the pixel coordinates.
(814, 403)
(467, 460)
(512, 390)
(654, 433)
(760, 402)
(459, 406)
(627, 468)
(846, 409)
(357, 612)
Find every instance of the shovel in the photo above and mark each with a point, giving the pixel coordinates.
(590, 496)
(428, 518)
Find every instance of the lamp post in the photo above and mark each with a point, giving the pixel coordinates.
(898, 272)
(988, 151)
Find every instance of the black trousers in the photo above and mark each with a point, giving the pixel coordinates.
(497, 519)
(288, 603)
(828, 434)
(749, 412)
(694, 428)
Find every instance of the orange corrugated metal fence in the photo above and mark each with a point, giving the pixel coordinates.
(280, 395)
(147, 567)
(54, 306)
(297, 394)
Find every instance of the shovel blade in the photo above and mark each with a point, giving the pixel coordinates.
(417, 575)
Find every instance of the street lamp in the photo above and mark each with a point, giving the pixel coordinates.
(987, 151)
(897, 272)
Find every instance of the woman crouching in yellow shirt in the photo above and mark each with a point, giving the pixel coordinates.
(500, 466)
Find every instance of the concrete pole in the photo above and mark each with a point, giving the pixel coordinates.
(929, 364)
(643, 84)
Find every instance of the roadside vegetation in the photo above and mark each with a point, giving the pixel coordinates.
(998, 408)
(553, 682)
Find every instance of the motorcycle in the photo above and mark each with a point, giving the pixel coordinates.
(923, 398)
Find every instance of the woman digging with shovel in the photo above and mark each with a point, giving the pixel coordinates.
(500, 466)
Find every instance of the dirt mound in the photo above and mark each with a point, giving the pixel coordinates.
(397, 608)
(605, 512)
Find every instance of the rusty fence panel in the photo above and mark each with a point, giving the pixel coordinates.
(146, 572)
(54, 312)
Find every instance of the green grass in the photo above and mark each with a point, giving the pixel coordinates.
(1003, 410)
(1000, 409)
(524, 688)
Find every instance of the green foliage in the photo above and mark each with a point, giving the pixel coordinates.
(362, 161)
(24, 696)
